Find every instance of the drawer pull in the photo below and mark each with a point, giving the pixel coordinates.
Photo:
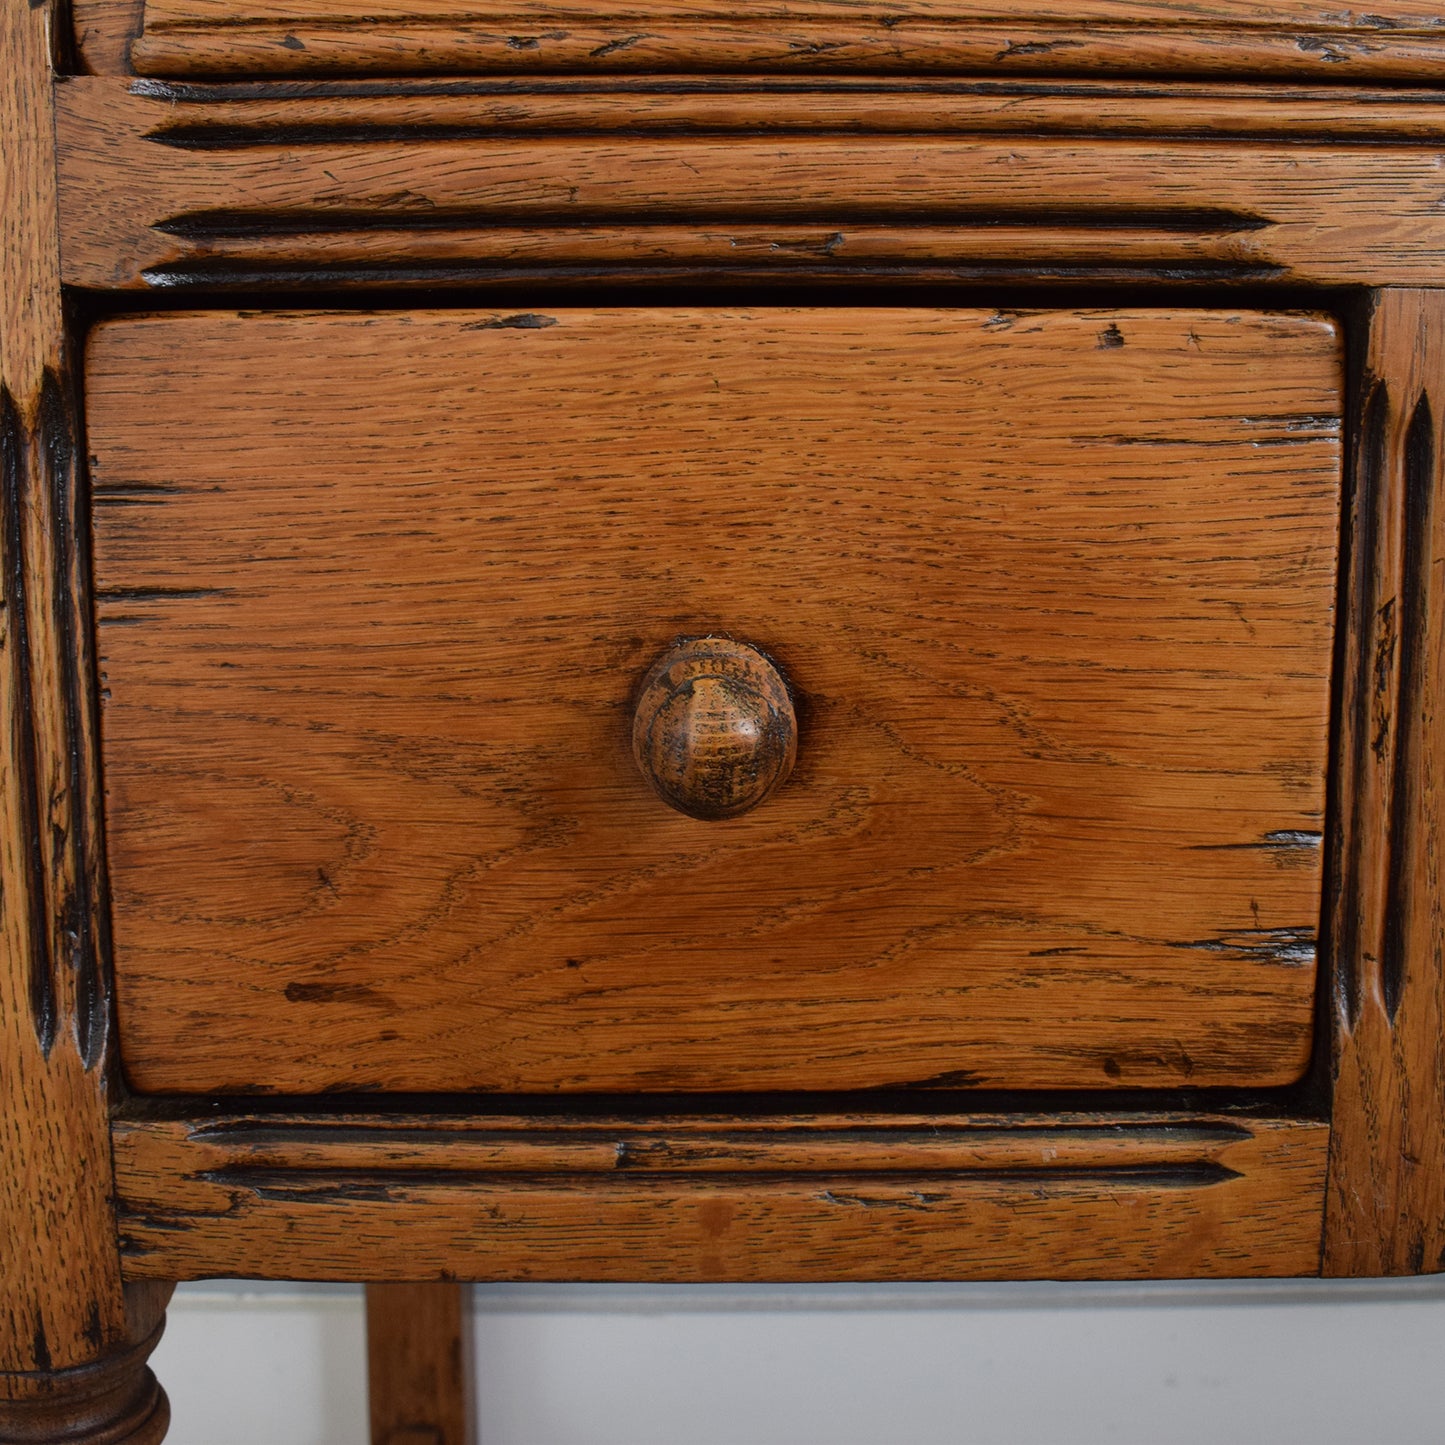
(714, 730)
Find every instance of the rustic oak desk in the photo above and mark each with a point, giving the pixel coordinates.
(677, 641)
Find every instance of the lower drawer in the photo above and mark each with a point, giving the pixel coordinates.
(1051, 593)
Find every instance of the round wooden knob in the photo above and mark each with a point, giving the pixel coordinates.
(714, 731)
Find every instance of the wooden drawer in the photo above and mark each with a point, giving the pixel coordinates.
(1053, 592)
(335, 738)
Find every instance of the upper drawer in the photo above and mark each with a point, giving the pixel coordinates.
(1053, 592)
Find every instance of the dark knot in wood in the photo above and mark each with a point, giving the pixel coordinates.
(714, 731)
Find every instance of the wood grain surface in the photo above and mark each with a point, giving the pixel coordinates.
(419, 1364)
(73, 1339)
(1386, 1202)
(113, 1398)
(61, 1303)
(844, 1197)
(1229, 37)
(238, 116)
(206, 188)
(1053, 591)
(102, 32)
(376, 588)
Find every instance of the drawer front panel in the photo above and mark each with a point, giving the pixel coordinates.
(1053, 592)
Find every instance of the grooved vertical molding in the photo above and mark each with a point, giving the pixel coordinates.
(72, 1340)
(1385, 1208)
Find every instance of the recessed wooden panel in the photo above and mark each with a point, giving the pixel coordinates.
(1053, 589)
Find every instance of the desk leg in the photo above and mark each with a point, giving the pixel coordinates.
(73, 1337)
(112, 1400)
(419, 1364)
(1385, 1206)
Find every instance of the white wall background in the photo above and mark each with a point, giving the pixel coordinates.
(1267, 1364)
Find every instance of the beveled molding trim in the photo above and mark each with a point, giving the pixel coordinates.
(240, 114)
(845, 1197)
(285, 187)
(1255, 38)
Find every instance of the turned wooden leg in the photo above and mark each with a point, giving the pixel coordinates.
(112, 1400)
(418, 1361)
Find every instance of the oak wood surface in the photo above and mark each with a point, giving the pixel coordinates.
(1386, 1201)
(322, 37)
(62, 1307)
(111, 1399)
(419, 1364)
(1410, 15)
(206, 188)
(239, 116)
(375, 593)
(73, 1339)
(216, 187)
(845, 1197)
(102, 32)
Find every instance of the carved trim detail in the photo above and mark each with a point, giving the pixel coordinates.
(44, 588)
(114, 1400)
(557, 1197)
(241, 114)
(1386, 1202)
(16, 457)
(262, 1153)
(288, 186)
(285, 248)
(1388, 605)
(185, 38)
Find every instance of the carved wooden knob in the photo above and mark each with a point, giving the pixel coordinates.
(714, 731)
